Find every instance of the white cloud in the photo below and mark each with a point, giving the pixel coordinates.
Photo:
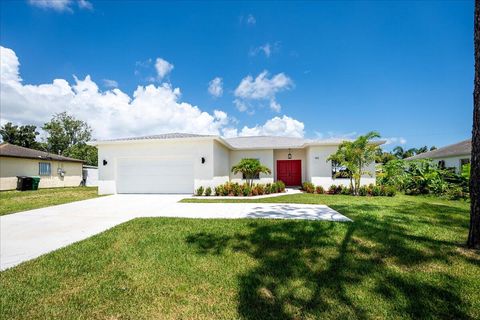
(251, 20)
(163, 67)
(267, 49)
(110, 83)
(261, 88)
(61, 5)
(84, 4)
(284, 126)
(215, 87)
(395, 140)
(112, 113)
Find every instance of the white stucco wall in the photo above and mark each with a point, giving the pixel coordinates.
(319, 170)
(92, 177)
(162, 149)
(452, 162)
(265, 157)
(221, 164)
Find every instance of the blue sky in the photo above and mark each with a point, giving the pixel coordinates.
(321, 69)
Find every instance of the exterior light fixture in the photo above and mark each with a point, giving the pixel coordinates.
(289, 154)
(203, 160)
(105, 162)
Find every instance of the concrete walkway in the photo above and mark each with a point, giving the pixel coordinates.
(27, 235)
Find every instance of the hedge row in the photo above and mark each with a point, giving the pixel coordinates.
(242, 190)
(370, 190)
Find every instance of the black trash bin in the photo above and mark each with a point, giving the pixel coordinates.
(24, 183)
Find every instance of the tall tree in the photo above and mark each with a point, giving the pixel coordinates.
(24, 136)
(474, 232)
(64, 132)
(356, 156)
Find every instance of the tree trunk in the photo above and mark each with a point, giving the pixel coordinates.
(474, 232)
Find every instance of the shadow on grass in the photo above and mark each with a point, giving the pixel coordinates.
(365, 269)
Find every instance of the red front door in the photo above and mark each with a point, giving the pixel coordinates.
(290, 172)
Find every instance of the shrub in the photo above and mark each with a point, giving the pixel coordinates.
(219, 190)
(376, 191)
(389, 191)
(319, 190)
(208, 191)
(346, 191)
(456, 193)
(274, 188)
(199, 191)
(281, 186)
(246, 190)
(308, 187)
(236, 190)
(363, 191)
(334, 189)
(260, 189)
(268, 188)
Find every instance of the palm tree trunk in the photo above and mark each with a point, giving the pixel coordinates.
(474, 232)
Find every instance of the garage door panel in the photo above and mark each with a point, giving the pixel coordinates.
(155, 175)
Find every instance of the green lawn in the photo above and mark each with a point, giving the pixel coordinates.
(15, 201)
(402, 257)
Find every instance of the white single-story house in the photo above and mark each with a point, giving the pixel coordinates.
(451, 156)
(181, 163)
(54, 170)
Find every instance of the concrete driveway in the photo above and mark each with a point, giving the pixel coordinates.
(29, 234)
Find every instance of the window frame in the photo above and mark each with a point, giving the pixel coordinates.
(334, 171)
(257, 177)
(46, 170)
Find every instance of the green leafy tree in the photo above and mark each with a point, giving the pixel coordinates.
(64, 132)
(250, 168)
(356, 156)
(84, 152)
(24, 136)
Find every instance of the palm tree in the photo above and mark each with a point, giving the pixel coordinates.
(250, 168)
(398, 152)
(474, 232)
(356, 156)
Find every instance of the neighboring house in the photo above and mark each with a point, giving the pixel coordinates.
(180, 163)
(54, 170)
(90, 176)
(452, 156)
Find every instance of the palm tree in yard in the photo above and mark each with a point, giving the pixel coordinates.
(250, 168)
(474, 232)
(356, 156)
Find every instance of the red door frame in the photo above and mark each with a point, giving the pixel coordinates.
(290, 172)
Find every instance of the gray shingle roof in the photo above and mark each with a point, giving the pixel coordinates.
(458, 149)
(252, 142)
(13, 151)
(266, 142)
(164, 136)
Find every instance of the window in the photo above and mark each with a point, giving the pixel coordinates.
(257, 176)
(44, 169)
(339, 171)
(464, 162)
(441, 164)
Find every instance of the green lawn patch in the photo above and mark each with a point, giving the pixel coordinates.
(402, 257)
(15, 201)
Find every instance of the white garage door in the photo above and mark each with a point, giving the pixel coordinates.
(154, 175)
